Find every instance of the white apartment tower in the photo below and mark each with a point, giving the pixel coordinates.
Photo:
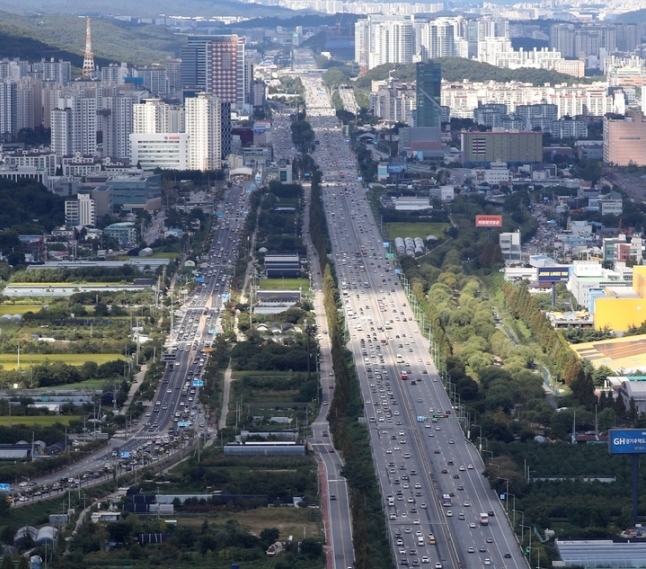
(384, 39)
(74, 126)
(203, 127)
(153, 116)
(437, 38)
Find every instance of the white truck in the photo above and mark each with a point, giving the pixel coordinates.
(484, 519)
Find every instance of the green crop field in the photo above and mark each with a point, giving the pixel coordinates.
(39, 420)
(10, 361)
(284, 284)
(89, 384)
(19, 308)
(413, 230)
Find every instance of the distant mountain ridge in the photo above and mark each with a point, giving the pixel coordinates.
(143, 8)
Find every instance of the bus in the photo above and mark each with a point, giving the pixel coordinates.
(446, 500)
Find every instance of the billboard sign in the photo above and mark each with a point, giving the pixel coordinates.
(627, 441)
(396, 168)
(553, 274)
(488, 220)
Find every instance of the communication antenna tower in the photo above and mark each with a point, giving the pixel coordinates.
(88, 58)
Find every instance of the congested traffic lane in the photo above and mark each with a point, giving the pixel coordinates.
(459, 543)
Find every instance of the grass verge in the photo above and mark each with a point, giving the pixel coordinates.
(284, 284)
(422, 229)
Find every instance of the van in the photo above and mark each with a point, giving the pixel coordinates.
(399, 359)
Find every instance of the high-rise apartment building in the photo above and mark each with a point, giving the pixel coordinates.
(216, 65)
(203, 114)
(52, 71)
(155, 80)
(74, 126)
(153, 116)
(429, 94)
(116, 122)
(29, 103)
(384, 39)
(8, 109)
(437, 38)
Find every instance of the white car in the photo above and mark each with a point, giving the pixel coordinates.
(425, 559)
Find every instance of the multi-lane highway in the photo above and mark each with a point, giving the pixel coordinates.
(175, 405)
(430, 475)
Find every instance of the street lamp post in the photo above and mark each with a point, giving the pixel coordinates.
(506, 492)
(479, 438)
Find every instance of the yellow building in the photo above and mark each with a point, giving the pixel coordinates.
(621, 308)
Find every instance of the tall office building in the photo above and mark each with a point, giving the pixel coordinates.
(203, 127)
(216, 65)
(429, 94)
(8, 109)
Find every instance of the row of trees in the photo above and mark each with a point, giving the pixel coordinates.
(368, 522)
(521, 304)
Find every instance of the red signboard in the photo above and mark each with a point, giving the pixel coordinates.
(488, 220)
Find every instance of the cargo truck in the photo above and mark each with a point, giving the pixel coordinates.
(484, 519)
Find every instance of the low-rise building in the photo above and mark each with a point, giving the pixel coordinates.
(125, 233)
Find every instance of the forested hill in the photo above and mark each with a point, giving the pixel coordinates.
(62, 36)
(458, 69)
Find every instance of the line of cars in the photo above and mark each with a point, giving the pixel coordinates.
(374, 307)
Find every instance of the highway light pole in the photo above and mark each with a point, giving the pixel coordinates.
(479, 438)
(506, 492)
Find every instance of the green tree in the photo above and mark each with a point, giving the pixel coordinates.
(311, 548)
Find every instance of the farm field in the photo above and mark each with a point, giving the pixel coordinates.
(290, 521)
(19, 308)
(413, 230)
(39, 420)
(10, 361)
(284, 284)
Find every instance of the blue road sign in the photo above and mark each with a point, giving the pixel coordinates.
(198, 383)
(124, 454)
(219, 214)
(627, 441)
(385, 244)
(183, 424)
(225, 297)
(5, 487)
